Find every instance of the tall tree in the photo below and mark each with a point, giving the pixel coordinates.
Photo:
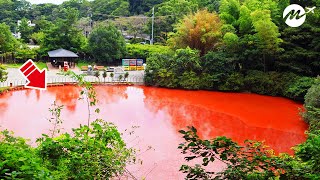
(24, 53)
(134, 25)
(230, 11)
(121, 8)
(25, 29)
(137, 7)
(302, 50)
(106, 43)
(42, 24)
(7, 41)
(13, 10)
(201, 31)
(267, 34)
(210, 5)
(103, 9)
(43, 11)
(169, 13)
(83, 6)
(64, 34)
(7, 15)
(22, 7)
(252, 21)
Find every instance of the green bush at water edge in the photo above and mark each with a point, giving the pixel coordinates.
(312, 106)
(4, 89)
(185, 69)
(95, 152)
(18, 160)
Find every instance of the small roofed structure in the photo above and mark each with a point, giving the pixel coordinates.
(59, 56)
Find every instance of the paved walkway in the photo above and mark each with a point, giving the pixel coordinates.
(51, 68)
(16, 78)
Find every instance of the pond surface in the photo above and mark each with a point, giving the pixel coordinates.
(160, 113)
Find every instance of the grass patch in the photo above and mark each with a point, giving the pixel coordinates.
(18, 65)
(4, 89)
(40, 65)
(82, 63)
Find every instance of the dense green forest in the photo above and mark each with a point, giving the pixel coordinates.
(244, 46)
(224, 45)
(252, 34)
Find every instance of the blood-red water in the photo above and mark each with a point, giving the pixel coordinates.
(160, 113)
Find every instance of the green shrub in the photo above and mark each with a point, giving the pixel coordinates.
(185, 60)
(253, 160)
(144, 51)
(234, 82)
(149, 78)
(158, 72)
(166, 78)
(218, 63)
(189, 80)
(309, 152)
(281, 82)
(24, 53)
(312, 106)
(136, 40)
(166, 69)
(97, 74)
(219, 66)
(313, 95)
(160, 60)
(299, 88)
(258, 82)
(3, 74)
(208, 81)
(18, 160)
(95, 152)
(218, 71)
(106, 43)
(270, 83)
(104, 75)
(4, 89)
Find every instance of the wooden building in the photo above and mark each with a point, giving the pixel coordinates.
(59, 56)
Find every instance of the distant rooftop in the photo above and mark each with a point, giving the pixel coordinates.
(62, 53)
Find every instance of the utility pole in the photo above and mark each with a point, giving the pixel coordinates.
(151, 42)
(88, 29)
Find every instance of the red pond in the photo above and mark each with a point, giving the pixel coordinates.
(160, 113)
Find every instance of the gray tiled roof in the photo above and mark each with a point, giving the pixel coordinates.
(62, 53)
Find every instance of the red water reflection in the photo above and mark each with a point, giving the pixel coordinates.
(66, 96)
(238, 116)
(3, 103)
(160, 113)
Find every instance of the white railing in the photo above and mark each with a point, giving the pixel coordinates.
(57, 80)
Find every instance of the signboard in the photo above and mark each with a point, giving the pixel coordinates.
(132, 64)
(139, 62)
(125, 62)
(140, 68)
